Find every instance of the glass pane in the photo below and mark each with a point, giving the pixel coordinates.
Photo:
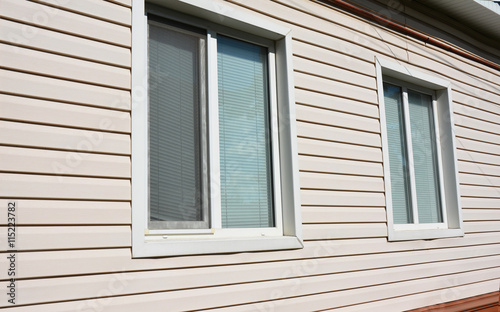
(174, 125)
(245, 147)
(424, 157)
(398, 160)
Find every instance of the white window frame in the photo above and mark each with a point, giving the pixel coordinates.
(440, 90)
(215, 17)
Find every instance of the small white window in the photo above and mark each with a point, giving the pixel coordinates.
(419, 154)
(212, 171)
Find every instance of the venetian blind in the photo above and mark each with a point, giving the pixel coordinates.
(424, 157)
(245, 154)
(400, 182)
(174, 125)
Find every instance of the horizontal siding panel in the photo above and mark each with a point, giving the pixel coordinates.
(350, 299)
(316, 11)
(481, 126)
(42, 186)
(62, 114)
(333, 72)
(127, 3)
(187, 278)
(78, 262)
(477, 146)
(476, 179)
(399, 281)
(27, 160)
(478, 157)
(477, 168)
(331, 256)
(425, 299)
(301, 20)
(349, 49)
(475, 112)
(63, 67)
(458, 67)
(484, 94)
(64, 44)
(328, 86)
(66, 212)
(332, 102)
(199, 277)
(62, 90)
(343, 215)
(472, 134)
(343, 231)
(481, 214)
(366, 51)
(335, 118)
(29, 135)
(489, 94)
(196, 277)
(339, 150)
(70, 237)
(482, 226)
(476, 202)
(430, 61)
(329, 133)
(339, 59)
(467, 167)
(96, 8)
(477, 124)
(324, 181)
(476, 101)
(342, 166)
(480, 191)
(340, 198)
(66, 22)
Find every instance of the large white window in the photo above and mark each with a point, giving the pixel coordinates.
(419, 154)
(212, 170)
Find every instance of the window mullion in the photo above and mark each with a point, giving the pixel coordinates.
(409, 151)
(213, 131)
(205, 189)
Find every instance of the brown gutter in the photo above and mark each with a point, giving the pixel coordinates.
(400, 28)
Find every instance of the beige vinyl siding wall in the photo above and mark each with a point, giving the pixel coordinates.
(65, 158)
(64, 132)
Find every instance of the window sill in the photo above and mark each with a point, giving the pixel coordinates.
(415, 234)
(188, 246)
